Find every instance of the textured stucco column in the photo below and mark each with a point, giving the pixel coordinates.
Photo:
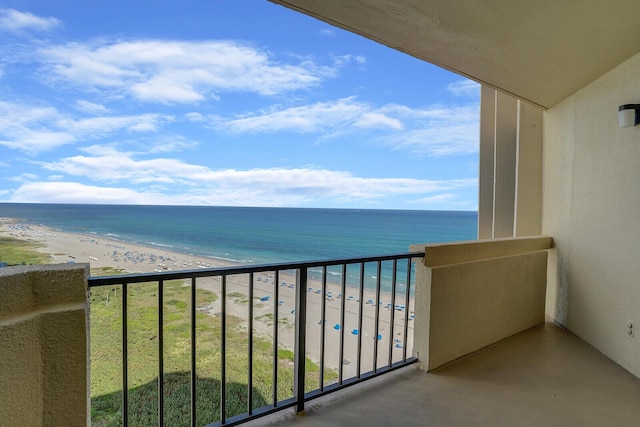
(528, 202)
(421, 322)
(44, 363)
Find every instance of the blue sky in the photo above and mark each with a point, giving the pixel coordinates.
(231, 103)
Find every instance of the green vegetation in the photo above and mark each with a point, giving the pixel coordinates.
(238, 297)
(106, 354)
(267, 319)
(21, 252)
(106, 271)
(106, 369)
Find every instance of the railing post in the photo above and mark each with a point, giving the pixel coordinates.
(250, 349)
(125, 357)
(276, 322)
(160, 353)
(223, 349)
(300, 350)
(194, 375)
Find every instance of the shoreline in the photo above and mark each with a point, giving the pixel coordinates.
(107, 252)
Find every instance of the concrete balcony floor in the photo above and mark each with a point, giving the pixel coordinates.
(542, 377)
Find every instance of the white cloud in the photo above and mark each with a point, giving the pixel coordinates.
(195, 117)
(91, 107)
(14, 21)
(98, 126)
(178, 71)
(166, 143)
(31, 129)
(73, 192)
(25, 177)
(196, 184)
(122, 167)
(378, 120)
(465, 88)
(442, 131)
(343, 60)
(36, 129)
(327, 32)
(319, 117)
(433, 131)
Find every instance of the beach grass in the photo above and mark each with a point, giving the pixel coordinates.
(106, 364)
(21, 252)
(143, 359)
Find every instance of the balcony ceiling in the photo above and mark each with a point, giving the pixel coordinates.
(538, 50)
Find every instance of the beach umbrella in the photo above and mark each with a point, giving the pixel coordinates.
(354, 332)
(379, 337)
(336, 327)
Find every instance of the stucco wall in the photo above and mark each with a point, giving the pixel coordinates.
(472, 294)
(43, 346)
(591, 207)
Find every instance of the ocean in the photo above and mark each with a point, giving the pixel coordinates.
(256, 235)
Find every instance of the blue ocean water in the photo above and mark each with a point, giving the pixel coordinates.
(256, 235)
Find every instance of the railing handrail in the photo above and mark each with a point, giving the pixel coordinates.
(118, 279)
(301, 268)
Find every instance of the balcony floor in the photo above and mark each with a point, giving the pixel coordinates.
(542, 377)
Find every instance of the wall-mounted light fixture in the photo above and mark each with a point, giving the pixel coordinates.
(628, 115)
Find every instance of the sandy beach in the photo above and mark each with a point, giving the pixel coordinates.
(134, 258)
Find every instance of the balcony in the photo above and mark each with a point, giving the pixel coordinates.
(277, 341)
(479, 330)
(542, 377)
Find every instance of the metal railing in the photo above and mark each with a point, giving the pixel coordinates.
(387, 276)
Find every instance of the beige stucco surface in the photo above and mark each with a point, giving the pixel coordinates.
(510, 169)
(538, 50)
(470, 295)
(43, 346)
(591, 205)
(457, 252)
(528, 196)
(544, 377)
